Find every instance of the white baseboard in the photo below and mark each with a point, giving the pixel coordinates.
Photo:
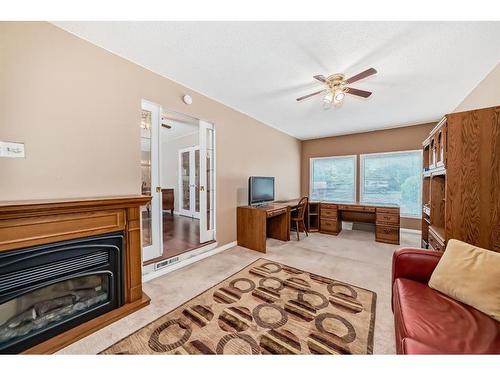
(149, 273)
(414, 231)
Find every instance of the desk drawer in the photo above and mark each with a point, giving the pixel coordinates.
(276, 212)
(328, 213)
(354, 208)
(329, 206)
(387, 219)
(329, 226)
(384, 233)
(388, 210)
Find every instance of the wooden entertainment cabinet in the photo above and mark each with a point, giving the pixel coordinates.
(461, 180)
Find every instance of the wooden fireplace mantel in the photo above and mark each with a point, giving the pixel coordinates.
(30, 223)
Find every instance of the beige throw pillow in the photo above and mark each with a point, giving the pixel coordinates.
(471, 275)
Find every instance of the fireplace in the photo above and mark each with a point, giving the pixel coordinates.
(67, 268)
(46, 290)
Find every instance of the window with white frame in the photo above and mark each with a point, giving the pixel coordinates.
(393, 177)
(333, 178)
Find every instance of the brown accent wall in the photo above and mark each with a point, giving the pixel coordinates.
(398, 139)
(77, 109)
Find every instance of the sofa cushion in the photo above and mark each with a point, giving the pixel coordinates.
(438, 321)
(470, 275)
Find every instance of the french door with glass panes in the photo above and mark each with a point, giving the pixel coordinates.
(150, 177)
(196, 181)
(207, 182)
(189, 181)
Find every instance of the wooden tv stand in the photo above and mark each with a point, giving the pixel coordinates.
(255, 224)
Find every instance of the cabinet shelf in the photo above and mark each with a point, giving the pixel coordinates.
(313, 217)
(434, 182)
(439, 231)
(434, 172)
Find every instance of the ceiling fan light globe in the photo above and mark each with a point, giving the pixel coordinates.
(328, 98)
(339, 96)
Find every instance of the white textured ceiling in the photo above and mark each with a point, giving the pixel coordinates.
(425, 68)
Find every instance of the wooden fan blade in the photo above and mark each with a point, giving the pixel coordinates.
(320, 78)
(361, 75)
(308, 96)
(363, 93)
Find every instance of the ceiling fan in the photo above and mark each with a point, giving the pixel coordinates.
(336, 87)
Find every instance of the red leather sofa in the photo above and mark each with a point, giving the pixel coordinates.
(428, 322)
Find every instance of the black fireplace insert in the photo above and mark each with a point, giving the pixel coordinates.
(46, 290)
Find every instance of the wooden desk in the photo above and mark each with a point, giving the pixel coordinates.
(255, 224)
(384, 216)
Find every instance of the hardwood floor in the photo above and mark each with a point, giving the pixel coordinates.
(180, 234)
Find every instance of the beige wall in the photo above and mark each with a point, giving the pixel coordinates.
(398, 139)
(77, 109)
(485, 94)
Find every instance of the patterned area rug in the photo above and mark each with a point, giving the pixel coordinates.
(266, 308)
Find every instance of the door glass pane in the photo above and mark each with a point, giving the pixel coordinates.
(197, 179)
(185, 171)
(334, 179)
(393, 178)
(210, 177)
(49, 306)
(146, 175)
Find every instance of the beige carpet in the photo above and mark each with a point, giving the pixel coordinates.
(266, 308)
(352, 257)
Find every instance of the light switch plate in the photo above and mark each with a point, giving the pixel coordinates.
(11, 150)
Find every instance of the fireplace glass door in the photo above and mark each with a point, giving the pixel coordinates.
(32, 313)
(48, 289)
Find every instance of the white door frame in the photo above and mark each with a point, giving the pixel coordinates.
(156, 248)
(192, 182)
(207, 234)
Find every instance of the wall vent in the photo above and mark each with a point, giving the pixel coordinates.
(166, 263)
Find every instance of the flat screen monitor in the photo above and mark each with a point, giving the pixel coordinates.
(260, 189)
